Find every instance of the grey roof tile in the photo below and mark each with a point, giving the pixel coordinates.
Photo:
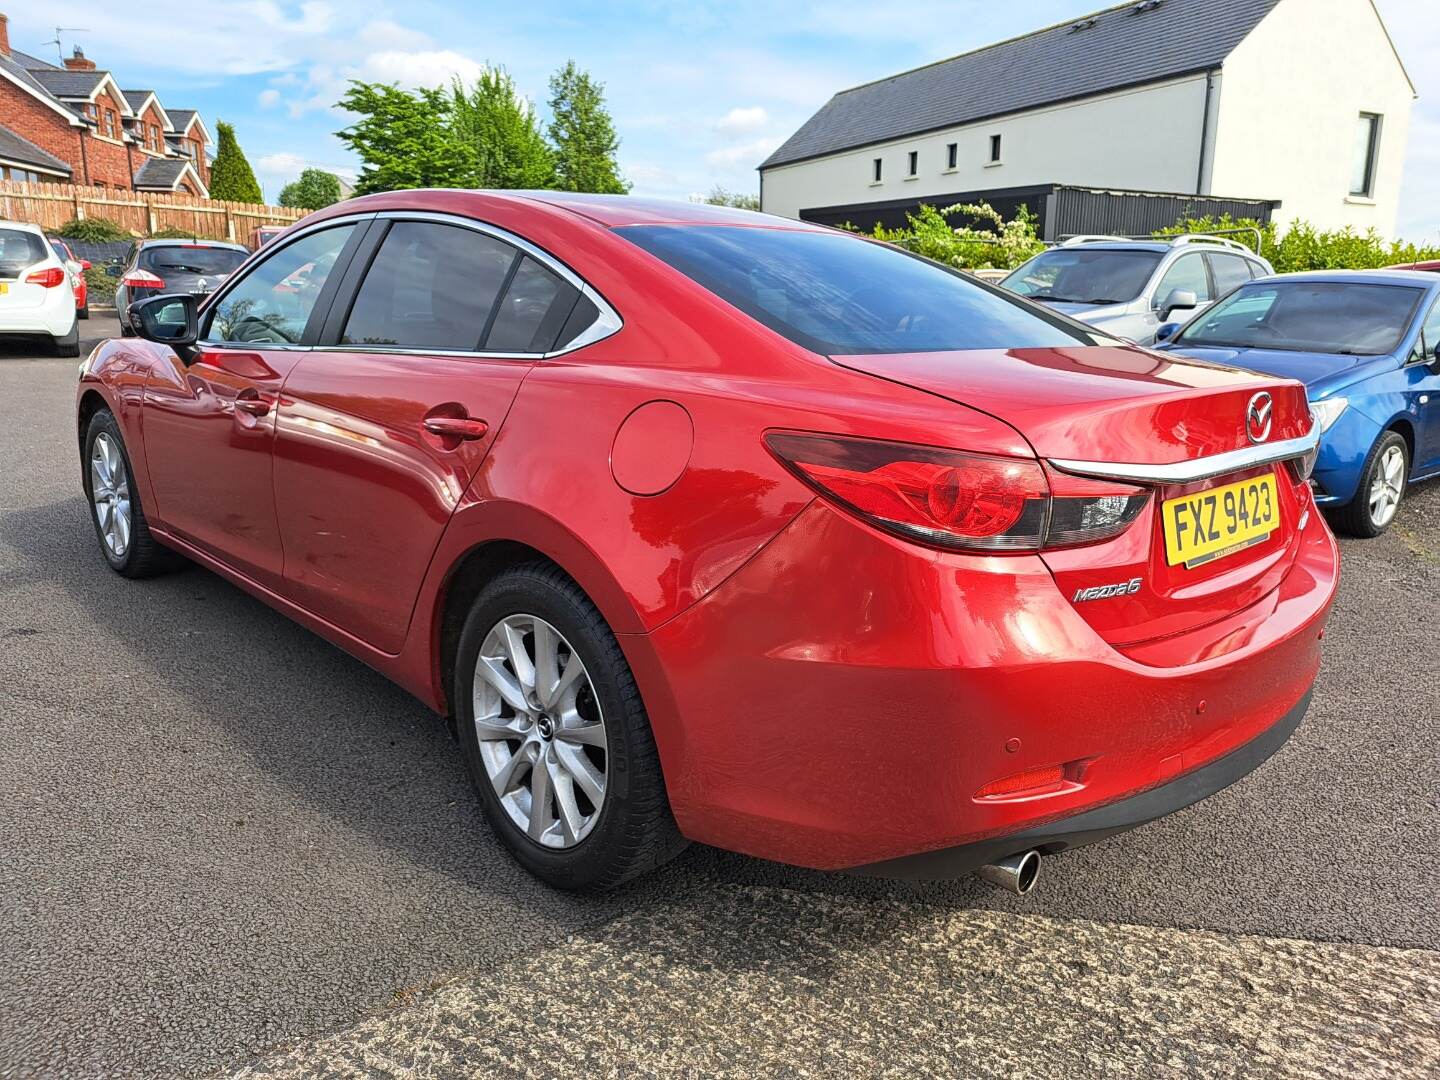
(15, 148)
(68, 84)
(1123, 46)
(160, 173)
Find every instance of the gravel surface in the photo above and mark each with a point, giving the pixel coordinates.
(223, 837)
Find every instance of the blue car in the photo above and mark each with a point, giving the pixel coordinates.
(1364, 343)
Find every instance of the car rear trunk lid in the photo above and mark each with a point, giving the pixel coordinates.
(1180, 429)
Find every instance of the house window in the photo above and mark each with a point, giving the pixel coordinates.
(914, 162)
(875, 171)
(994, 149)
(1367, 146)
(952, 155)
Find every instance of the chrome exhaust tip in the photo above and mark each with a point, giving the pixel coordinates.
(1016, 875)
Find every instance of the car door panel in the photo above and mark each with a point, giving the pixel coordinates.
(382, 428)
(209, 460)
(363, 490)
(210, 426)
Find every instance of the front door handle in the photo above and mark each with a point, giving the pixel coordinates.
(456, 427)
(250, 401)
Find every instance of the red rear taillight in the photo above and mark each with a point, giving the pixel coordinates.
(139, 279)
(957, 500)
(1039, 781)
(55, 275)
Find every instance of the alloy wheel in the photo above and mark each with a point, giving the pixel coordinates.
(541, 731)
(1388, 486)
(110, 494)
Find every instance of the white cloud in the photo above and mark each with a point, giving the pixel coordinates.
(747, 154)
(413, 69)
(268, 99)
(741, 121)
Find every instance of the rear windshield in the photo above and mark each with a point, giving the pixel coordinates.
(191, 260)
(1308, 316)
(19, 249)
(1077, 276)
(838, 294)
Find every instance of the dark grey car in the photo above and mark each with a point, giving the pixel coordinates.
(173, 266)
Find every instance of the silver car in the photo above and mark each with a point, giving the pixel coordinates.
(1131, 288)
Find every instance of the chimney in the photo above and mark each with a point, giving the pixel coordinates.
(4, 34)
(78, 61)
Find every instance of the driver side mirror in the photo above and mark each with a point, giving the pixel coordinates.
(1166, 332)
(1179, 299)
(170, 319)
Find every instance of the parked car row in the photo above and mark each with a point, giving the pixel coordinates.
(1364, 343)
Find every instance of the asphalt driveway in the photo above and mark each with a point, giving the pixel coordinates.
(226, 845)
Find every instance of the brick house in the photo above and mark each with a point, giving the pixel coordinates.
(73, 123)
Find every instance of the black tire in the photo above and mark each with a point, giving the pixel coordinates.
(634, 831)
(1355, 518)
(83, 313)
(69, 345)
(144, 556)
(125, 331)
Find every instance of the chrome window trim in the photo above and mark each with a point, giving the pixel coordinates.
(1188, 472)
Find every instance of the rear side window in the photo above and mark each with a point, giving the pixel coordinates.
(189, 259)
(836, 294)
(20, 248)
(1186, 272)
(431, 286)
(1229, 271)
(533, 311)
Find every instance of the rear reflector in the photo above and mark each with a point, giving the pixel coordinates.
(958, 500)
(50, 278)
(1030, 782)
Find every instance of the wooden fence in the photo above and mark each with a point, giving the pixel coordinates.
(139, 212)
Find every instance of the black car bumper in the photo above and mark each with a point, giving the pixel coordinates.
(1104, 821)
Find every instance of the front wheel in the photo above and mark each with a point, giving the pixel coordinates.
(556, 736)
(1382, 486)
(115, 509)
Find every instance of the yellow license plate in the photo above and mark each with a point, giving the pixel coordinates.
(4, 288)
(1211, 524)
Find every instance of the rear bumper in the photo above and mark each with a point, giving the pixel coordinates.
(53, 320)
(1102, 822)
(842, 699)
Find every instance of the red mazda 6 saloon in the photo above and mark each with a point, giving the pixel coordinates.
(707, 525)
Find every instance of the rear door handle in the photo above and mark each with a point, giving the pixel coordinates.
(250, 401)
(456, 427)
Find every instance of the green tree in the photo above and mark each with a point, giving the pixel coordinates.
(583, 134)
(315, 189)
(719, 196)
(405, 140)
(231, 177)
(501, 127)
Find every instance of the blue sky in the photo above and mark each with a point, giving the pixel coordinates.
(700, 91)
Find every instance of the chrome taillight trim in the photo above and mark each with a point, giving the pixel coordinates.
(1188, 472)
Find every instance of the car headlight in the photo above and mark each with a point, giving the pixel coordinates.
(1327, 411)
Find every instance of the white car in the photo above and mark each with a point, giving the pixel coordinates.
(1133, 288)
(36, 295)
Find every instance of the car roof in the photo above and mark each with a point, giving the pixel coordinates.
(1362, 277)
(27, 226)
(617, 210)
(177, 242)
(1160, 246)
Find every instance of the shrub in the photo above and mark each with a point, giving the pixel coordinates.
(1304, 247)
(101, 285)
(94, 230)
(172, 233)
(998, 244)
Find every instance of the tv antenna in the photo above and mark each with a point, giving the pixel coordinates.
(59, 51)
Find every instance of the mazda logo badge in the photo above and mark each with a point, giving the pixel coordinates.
(1258, 416)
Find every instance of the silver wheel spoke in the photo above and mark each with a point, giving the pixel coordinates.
(520, 662)
(492, 670)
(498, 729)
(568, 680)
(571, 820)
(579, 767)
(504, 778)
(583, 733)
(541, 814)
(547, 664)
